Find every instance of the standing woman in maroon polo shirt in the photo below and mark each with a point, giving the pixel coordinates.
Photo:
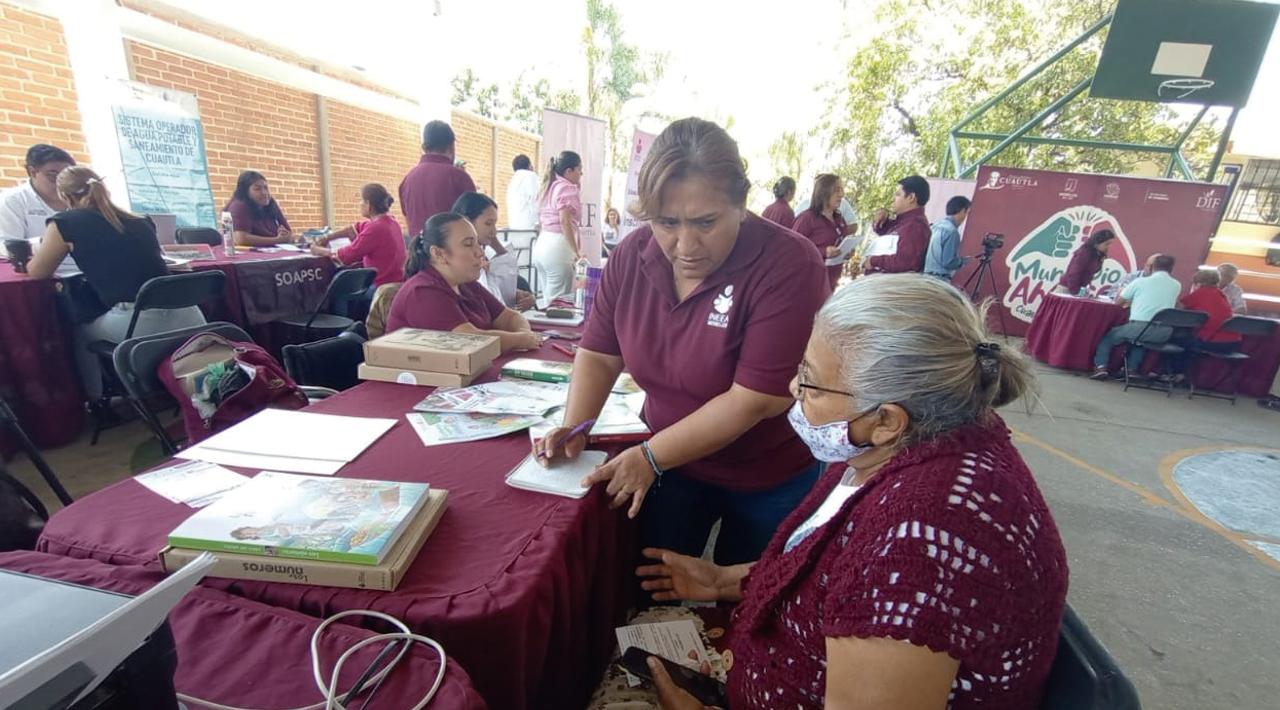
(780, 212)
(823, 224)
(442, 288)
(376, 243)
(559, 210)
(1086, 262)
(255, 214)
(708, 306)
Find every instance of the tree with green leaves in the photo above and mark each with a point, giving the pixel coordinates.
(521, 105)
(928, 65)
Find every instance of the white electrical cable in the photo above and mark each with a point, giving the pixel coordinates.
(330, 689)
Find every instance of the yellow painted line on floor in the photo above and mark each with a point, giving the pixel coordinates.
(1181, 505)
(1190, 509)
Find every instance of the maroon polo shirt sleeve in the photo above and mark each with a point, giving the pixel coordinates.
(1080, 270)
(913, 242)
(279, 215)
(780, 321)
(420, 305)
(242, 218)
(600, 335)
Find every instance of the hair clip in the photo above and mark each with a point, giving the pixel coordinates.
(986, 349)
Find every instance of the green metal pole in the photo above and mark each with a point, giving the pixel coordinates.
(1222, 143)
(946, 158)
(957, 160)
(1035, 121)
(1176, 155)
(986, 105)
(1074, 142)
(1183, 167)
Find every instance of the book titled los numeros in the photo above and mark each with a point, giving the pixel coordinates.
(527, 368)
(306, 517)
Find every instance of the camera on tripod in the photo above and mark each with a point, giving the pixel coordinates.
(992, 241)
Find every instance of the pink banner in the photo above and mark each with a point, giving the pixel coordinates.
(1044, 216)
(640, 143)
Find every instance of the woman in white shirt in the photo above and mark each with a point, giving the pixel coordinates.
(500, 273)
(559, 210)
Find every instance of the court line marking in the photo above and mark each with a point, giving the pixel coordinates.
(1181, 504)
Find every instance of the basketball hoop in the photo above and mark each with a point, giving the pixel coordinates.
(1182, 88)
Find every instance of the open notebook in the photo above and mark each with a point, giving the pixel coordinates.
(561, 478)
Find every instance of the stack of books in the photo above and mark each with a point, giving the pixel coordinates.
(437, 358)
(337, 532)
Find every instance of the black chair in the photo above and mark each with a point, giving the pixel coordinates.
(332, 363)
(9, 421)
(136, 362)
(347, 286)
(161, 292)
(198, 235)
(1167, 325)
(22, 514)
(1247, 327)
(1084, 676)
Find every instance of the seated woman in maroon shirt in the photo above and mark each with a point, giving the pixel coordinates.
(255, 215)
(1086, 262)
(376, 243)
(822, 222)
(442, 292)
(708, 306)
(925, 569)
(780, 212)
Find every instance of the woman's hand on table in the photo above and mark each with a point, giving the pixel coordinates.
(550, 447)
(679, 577)
(670, 695)
(528, 340)
(320, 251)
(629, 476)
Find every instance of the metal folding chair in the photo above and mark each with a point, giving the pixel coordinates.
(1178, 321)
(1248, 327)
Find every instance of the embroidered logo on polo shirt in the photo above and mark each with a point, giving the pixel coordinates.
(723, 303)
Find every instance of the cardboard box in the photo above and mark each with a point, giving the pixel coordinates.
(433, 351)
(413, 377)
(384, 577)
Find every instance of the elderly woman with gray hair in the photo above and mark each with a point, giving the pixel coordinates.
(924, 570)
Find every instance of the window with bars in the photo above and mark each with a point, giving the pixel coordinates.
(1257, 195)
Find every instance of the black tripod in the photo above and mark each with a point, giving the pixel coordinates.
(976, 278)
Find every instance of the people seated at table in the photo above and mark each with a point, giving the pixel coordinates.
(1134, 275)
(911, 226)
(256, 217)
(1144, 298)
(24, 208)
(1227, 273)
(823, 224)
(1207, 297)
(558, 246)
(708, 307)
(943, 259)
(925, 569)
(779, 211)
(435, 183)
(375, 243)
(441, 288)
(118, 253)
(500, 272)
(1086, 262)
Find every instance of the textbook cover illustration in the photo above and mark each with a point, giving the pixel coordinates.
(309, 517)
(541, 370)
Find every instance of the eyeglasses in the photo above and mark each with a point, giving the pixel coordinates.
(802, 375)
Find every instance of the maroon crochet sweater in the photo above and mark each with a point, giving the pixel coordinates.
(950, 546)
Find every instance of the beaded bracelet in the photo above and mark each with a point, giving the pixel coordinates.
(648, 454)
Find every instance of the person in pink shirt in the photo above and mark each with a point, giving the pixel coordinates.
(376, 243)
(559, 212)
(442, 288)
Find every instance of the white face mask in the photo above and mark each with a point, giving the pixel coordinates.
(829, 442)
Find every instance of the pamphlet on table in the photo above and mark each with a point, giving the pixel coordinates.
(503, 397)
(195, 483)
(310, 517)
(189, 252)
(436, 428)
(673, 640)
(619, 422)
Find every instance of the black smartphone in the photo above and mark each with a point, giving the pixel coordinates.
(561, 334)
(706, 689)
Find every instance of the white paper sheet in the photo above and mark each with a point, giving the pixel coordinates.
(846, 246)
(282, 440)
(883, 245)
(673, 640)
(541, 318)
(561, 478)
(195, 483)
(104, 644)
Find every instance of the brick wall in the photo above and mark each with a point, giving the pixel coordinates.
(364, 147)
(475, 145)
(249, 124)
(37, 92)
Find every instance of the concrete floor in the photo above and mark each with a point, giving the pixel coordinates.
(1187, 607)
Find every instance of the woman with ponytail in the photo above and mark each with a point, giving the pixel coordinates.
(376, 243)
(118, 253)
(559, 210)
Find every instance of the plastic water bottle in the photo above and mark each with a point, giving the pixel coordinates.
(228, 235)
(1084, 291)
(580, 283)
(593, 282)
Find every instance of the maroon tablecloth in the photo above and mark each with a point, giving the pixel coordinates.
(523, 588)
(262, 287)
(37, 374)
(1066, 331)
(240, 652)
